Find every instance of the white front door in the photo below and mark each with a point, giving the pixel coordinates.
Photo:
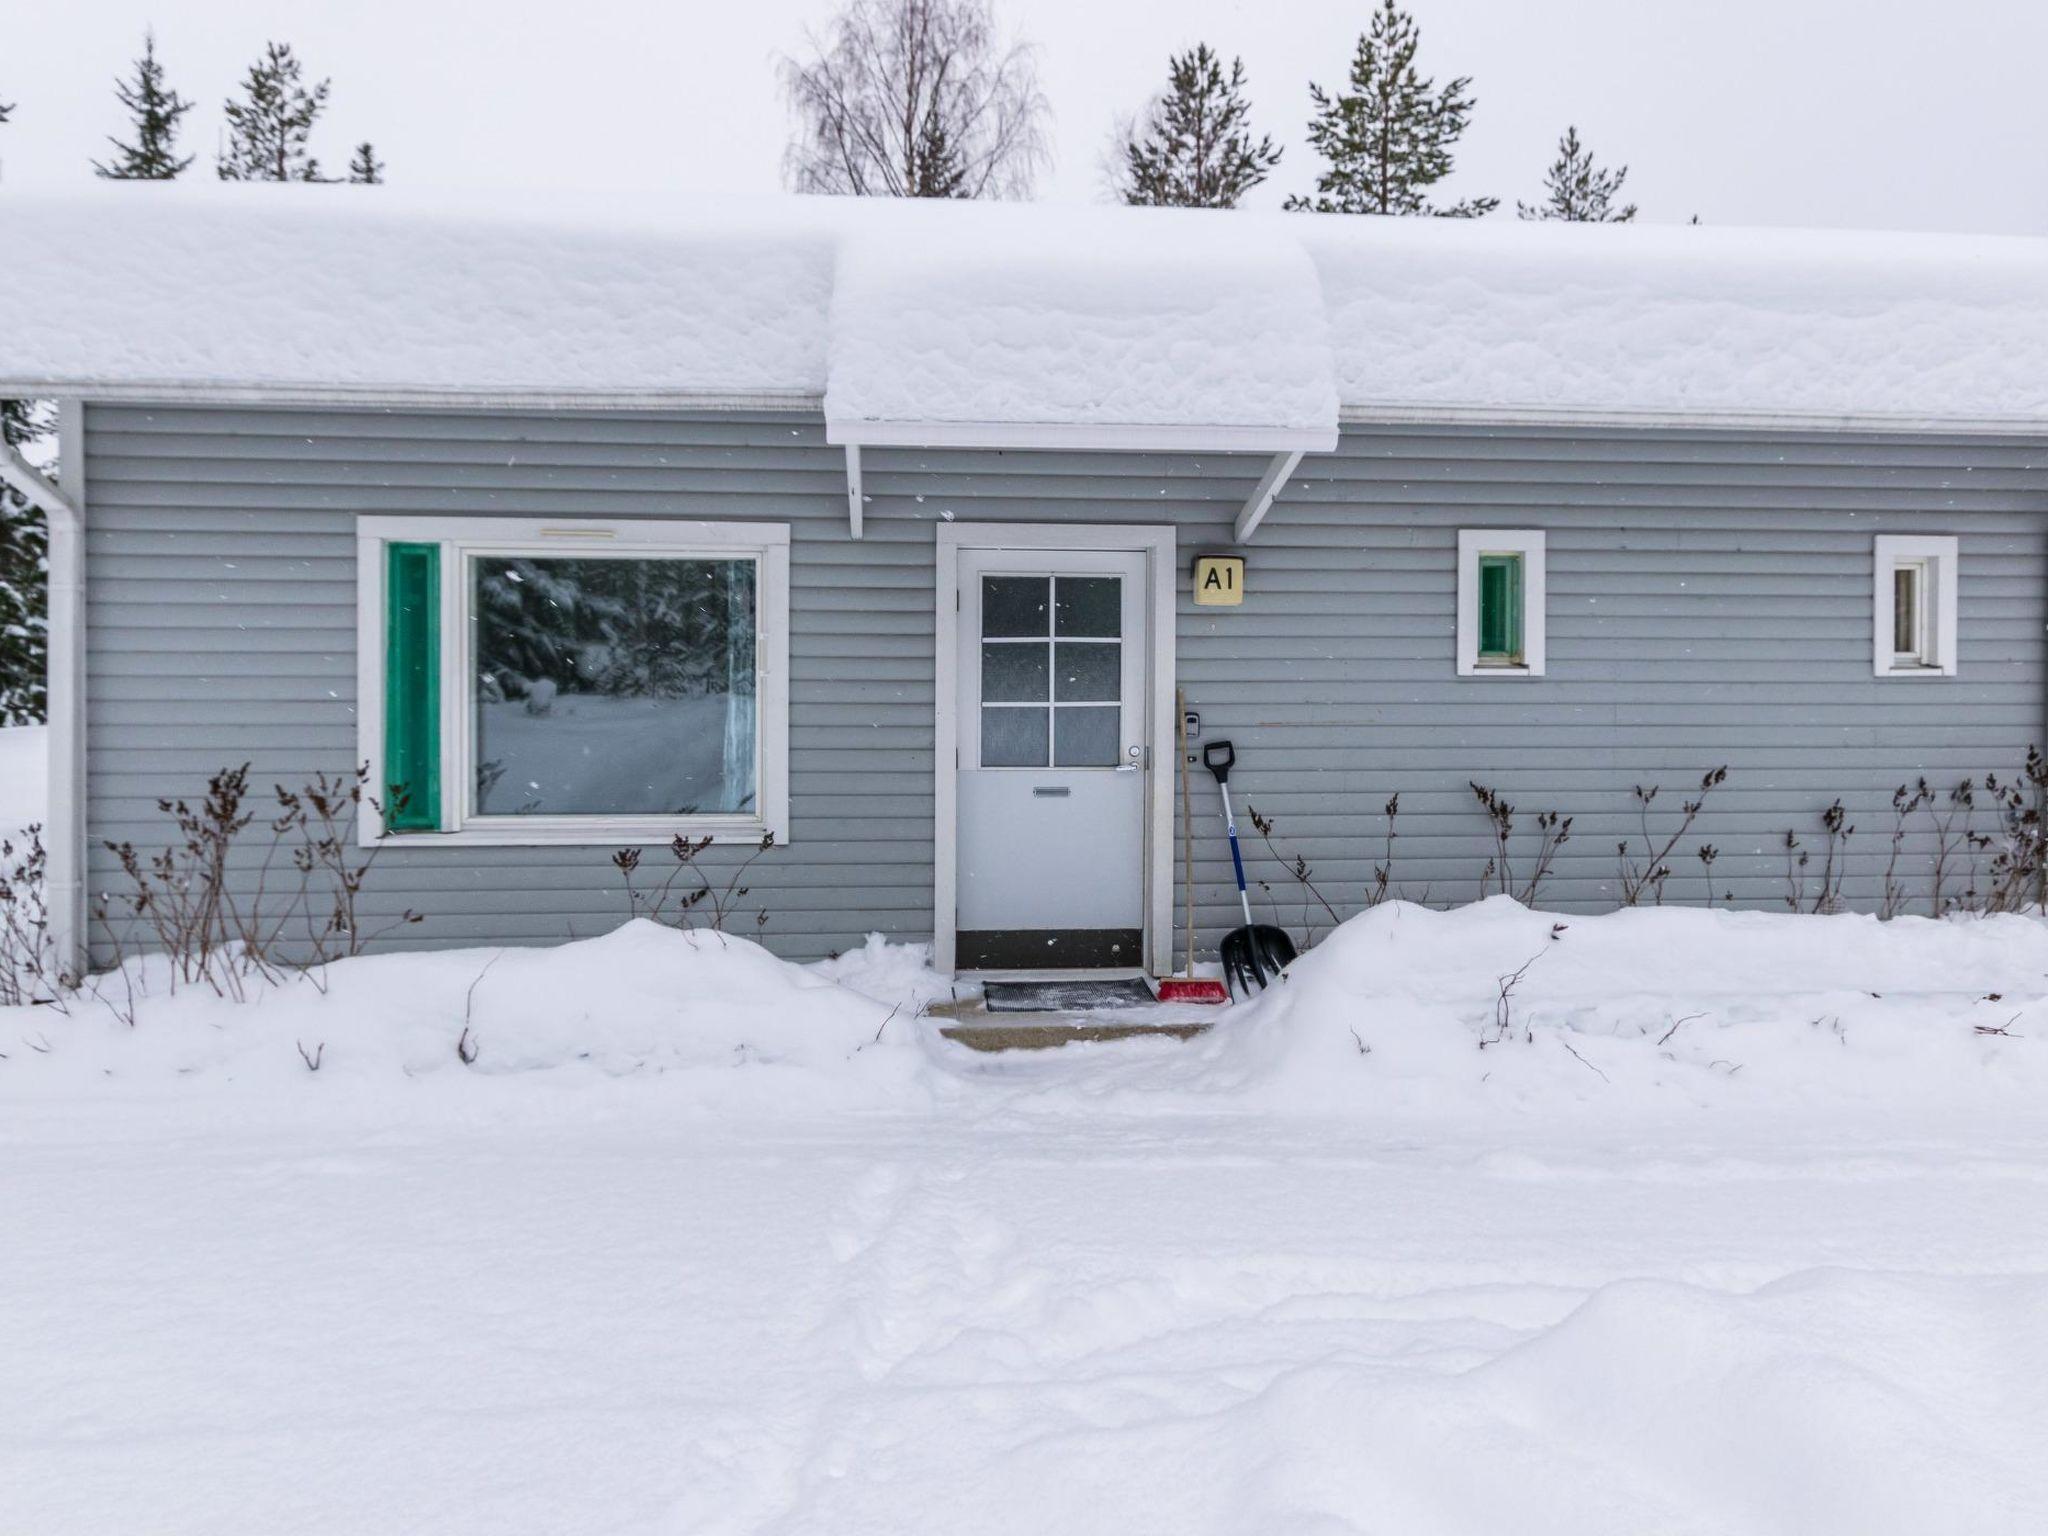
(1053, 759)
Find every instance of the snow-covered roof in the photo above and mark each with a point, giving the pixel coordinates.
(979, 322)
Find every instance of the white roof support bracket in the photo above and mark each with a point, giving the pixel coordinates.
(17, 472)
(853, 495)
(1261, 502)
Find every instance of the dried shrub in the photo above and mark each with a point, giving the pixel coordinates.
(1906, 801)
(1645, 881)
(687, 898)
(1299, 872)
(1553, 831)
(28, 969)
(183, 897)
(1383, 872)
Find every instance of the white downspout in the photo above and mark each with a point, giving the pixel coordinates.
(67, 695)
(64, 826)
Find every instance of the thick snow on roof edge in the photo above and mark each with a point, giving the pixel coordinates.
(983, 315)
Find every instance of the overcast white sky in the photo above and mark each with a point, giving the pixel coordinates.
(1878, 113)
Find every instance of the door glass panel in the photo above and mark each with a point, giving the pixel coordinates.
(1086, 738)
(1088, 671)
(1013, 738)
(1016, 605)
(1090, 605)
(1014, 672)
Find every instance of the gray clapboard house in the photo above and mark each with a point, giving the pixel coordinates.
(872, 531)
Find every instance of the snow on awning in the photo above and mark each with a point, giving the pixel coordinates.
(1027, 327)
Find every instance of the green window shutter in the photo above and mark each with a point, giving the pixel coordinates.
(1500, 607)
(412, 687)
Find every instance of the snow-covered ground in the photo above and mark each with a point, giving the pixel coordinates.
(24, 776)
(1734, 1223)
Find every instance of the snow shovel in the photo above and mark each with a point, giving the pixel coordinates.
(1255, 953)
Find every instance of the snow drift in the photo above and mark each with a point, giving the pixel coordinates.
(1495, 1007)
(1403, 1011)
(644, 1000)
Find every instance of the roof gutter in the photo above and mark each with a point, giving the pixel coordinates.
(1401, 413)
(410, 396)
(64, 828)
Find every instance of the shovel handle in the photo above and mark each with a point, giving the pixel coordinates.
(1217, 757)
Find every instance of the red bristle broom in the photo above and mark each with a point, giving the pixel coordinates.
(1189, 988)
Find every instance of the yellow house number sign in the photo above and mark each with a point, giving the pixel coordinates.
(1219, 581)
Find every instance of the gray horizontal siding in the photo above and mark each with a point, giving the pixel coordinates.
(1709, 603)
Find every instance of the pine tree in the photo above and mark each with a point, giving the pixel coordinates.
(155, 111)
(1194, 147)
(1387, 141)
(268, 130)
(24, 581)
(937, 170)
(24, 572)
(1578, 191)
(366, 170)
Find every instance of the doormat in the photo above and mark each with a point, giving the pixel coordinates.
(1065, 996)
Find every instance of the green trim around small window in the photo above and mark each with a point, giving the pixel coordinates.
(1500, 609)
(411, 775)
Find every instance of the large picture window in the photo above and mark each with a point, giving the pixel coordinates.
(578, 683)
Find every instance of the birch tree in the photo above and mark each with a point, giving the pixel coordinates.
(916, 98)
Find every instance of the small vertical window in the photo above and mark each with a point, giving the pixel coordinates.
(1914, 598)
(1500, 602)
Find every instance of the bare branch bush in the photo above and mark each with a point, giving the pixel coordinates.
(28, 967)
(1553, 832)
(1383, 872)
(916, 98)
(183, 897)
(1504, 997)
(2019, 870)
(1906, 801)
(676, 901)
(1298, 870)
(1646, 880)
(1834, 868)
(1795, 871)
(1954, 836)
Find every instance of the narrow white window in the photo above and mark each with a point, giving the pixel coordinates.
(1913, 597)
(1500, 602)
(527, 682)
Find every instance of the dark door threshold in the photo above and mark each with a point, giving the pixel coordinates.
(1049, 949)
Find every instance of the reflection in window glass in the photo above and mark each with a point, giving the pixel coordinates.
(613, 687)
(1088, 672)
(1014, 673)
(1086, 738)
(1013, 738)
(1090, 605)
(1015, 605)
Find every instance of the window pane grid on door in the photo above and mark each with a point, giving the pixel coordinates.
(1051, 671)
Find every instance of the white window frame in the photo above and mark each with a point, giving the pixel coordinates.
(1528, 543)
(1938, 556)
(464, 538)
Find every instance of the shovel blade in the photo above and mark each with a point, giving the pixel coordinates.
(1253, 956)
